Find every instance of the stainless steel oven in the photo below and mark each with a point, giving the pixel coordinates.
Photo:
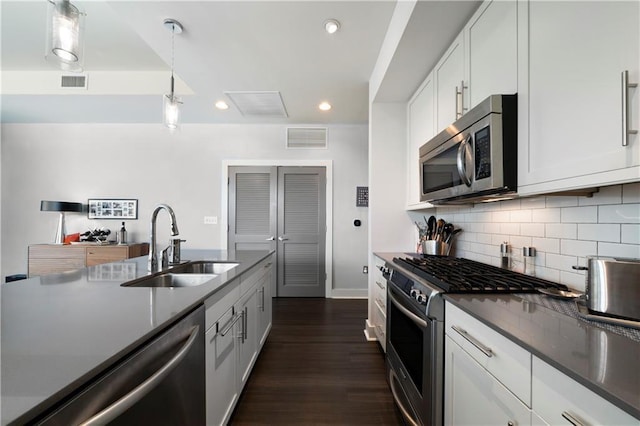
(415, 329)
(475, 158)
(414, 353)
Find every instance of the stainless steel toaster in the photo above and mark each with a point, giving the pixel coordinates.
(613, 287)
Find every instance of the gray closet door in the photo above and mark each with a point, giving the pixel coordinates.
(301, 231)
(288, 203)
(252, 208)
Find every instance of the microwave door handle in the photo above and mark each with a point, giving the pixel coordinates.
(463, 149)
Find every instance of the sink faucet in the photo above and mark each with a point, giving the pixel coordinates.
(153, 258)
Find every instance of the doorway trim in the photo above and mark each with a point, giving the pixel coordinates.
(327, 164)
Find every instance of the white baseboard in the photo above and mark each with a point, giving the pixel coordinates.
(349, 293)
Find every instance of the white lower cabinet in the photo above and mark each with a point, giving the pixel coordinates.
(238, 318)
(265, 310)
(475, 397)
(501, 357)
(560, 400)
(487, 376)
(248, 346)
(379, 312)
(490, 380)
(221, 368)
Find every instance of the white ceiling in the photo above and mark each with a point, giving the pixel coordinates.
(226, 46)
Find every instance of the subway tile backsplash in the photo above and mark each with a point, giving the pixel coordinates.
(563, 229)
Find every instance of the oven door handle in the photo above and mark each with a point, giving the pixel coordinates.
(419, 321)
(405, 413)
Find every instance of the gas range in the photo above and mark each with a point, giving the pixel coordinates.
(415, 323)
(458, 275)
(430, 276)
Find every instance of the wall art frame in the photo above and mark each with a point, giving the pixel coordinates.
(112, 208)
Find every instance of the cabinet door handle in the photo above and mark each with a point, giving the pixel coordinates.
(261, 306)
(571, 419)
(460, 109)
(272, 238)
(475, 342)
(245, 323)
(282, 239)
(242, 324)
(457, 108)
(121, 405)
(229, 324)
(626, 108)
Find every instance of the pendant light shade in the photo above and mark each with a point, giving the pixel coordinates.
(171, 111)
(65, 35)
(171, 103)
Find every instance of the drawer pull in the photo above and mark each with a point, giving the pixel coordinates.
(475, 342)
(380, 285)
(510, 423)
(571, 419)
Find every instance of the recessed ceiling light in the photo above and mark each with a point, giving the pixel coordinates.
(324, 106)
(222, 105)
(331, 26)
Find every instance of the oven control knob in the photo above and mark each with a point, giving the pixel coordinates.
(414, 293)
(422, 299)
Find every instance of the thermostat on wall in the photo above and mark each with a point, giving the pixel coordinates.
(362, 196)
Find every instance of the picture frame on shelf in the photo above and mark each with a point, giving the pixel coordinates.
(111, 208)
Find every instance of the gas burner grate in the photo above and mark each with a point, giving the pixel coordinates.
(457, 275)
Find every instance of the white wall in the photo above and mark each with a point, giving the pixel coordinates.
(146, 162)
(564, 230)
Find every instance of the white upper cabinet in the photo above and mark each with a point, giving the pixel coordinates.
(491, 51)
(421, 125)
(449, 79)
(571, 97)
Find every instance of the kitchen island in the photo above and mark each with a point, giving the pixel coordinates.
(60, 331)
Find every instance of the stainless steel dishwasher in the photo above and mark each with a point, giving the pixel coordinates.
(162, 383)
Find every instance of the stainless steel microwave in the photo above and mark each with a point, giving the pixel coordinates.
(475, 158)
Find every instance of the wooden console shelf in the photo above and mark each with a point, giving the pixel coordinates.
(52, 258)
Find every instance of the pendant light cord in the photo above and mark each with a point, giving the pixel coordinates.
(173, 34)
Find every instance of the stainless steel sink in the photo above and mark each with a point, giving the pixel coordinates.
(204, 267)
(171, 279)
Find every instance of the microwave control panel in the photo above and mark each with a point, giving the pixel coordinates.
(483, 153)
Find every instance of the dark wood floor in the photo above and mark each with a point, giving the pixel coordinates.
(317, 368)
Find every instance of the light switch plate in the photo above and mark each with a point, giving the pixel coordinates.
(211, 220)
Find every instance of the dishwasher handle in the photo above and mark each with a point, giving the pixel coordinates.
(140, 391)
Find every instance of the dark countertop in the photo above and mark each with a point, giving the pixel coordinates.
(603, 361)
(58, 331)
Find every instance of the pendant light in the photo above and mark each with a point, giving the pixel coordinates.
(65, 35)
(171, 102)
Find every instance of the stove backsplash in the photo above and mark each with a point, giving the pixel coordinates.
(563, 229)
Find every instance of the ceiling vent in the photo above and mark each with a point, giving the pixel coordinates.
(307, 137)
(263, 104)
(73, 81)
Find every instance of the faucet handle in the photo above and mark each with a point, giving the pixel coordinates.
(165, 257)
(175, 250)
